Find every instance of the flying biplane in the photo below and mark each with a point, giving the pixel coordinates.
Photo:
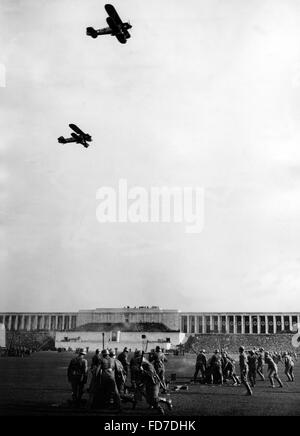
(116, 26)
(79, 137)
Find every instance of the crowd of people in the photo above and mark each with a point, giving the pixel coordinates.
(221, 367)
(115, 379)
(109, 376)
(17, 351)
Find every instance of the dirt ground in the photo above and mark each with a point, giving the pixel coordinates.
(37, 385)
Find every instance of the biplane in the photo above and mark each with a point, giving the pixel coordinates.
(116, 27)
(79, 137)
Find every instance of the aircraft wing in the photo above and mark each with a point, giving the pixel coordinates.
(76, 129)
(121, 38)
(76, 137)
(113, 14)
(116, 31)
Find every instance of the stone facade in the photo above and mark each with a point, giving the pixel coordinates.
(186, 322)
(118, 340)
(238, 323)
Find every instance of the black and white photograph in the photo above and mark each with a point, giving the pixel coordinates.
(150, 210)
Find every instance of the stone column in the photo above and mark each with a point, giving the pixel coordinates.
(250, 325)
(227, 324)
(290, 323)
(267, 324)
(196, 325)
(22, 324)
(258, 324)
(219, 324)
(274, 324)
(211, 324)
(243, 324)
(282, 322)
(9, 323)
(203, 324)
(234, 324)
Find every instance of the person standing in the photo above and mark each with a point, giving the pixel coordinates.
(96, 359)
(288, 366)
(158, 359)
(200, 365)
(273, 370)
(95, 379)
(216, 367)
(252, 364)
(108, 384)
(244, 369)
(123, 358)
(77, 375)
(260, 364)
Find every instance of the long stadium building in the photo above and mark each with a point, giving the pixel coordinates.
(186, 322)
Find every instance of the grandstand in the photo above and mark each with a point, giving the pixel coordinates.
(231, 343)
(31, 340)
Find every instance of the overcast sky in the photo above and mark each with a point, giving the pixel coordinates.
(206, 93)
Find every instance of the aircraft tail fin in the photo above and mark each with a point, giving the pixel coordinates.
(61, 140)
(90, 31)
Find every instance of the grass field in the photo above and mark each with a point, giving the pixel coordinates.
(37, 385)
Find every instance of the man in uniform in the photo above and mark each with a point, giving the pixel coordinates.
(77, 375)
(288, 366)
(244, 369)
(108, 384)
(96, 359)
(200, 365)
(158, 360)
(120, 377)
(273, 370)
(95, 380)
(260, 364)
(228, 368)
(252, 364)
(123, 358)
(135, 376)
(135, 364)
(152, 382)
(216, 367)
